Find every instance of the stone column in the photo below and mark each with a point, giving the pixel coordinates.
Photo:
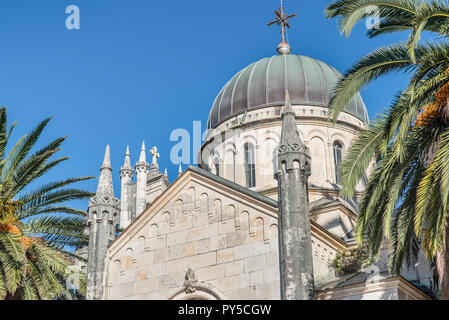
(141, 173)
(102, 212)
(126, 175)
(295, 244)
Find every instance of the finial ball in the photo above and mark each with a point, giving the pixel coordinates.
(283, 48)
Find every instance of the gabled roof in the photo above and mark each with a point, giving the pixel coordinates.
(234, 186)
(358, 283)
(328, 203)
(319, 231)
(255, 199)
(333, 281)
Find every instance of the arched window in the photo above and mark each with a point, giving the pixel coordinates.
(250, 165)
(229, 165)
(338, 156)
(217, 166)
(271, 157)
(214, 163)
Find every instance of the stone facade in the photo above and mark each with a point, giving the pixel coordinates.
(228, 239)
(226, 234)
(263, 129)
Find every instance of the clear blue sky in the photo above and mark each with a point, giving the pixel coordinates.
(138, 69)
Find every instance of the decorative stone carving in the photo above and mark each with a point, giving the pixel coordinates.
(156, 155)
(190, 281)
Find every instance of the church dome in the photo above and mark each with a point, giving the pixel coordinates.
(261, 84)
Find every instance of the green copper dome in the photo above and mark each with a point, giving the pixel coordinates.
(261, 84)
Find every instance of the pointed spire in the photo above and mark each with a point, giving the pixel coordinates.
(166, 173)
(288, 104)
(105, 187)
(290, 138)
(107, 159)
(142, 163)
(126, 170)
(180, 170)
(143, 157)
(127, 163)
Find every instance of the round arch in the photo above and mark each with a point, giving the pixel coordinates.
(203, 292)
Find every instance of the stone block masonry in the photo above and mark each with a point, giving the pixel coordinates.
(223, 256)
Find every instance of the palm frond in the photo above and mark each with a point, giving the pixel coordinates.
(380, 62)
(353, 11)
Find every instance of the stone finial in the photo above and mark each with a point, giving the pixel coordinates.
(288, 103)
(105, 187)
(126, 170)
(190, 281)
(142, 165)
(290, 138)
(180, 170)
(166, 173)
(156, 155)
(283, 48)
(143, 157)
(127, 158)
(107, 158)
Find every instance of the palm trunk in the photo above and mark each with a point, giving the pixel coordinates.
(16, 296)
(442, 264)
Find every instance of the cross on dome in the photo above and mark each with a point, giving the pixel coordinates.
(282, 20)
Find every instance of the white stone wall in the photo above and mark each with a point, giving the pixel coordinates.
(323, 256)
(154, 189)
(230, 244)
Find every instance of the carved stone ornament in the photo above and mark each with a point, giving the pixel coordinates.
(104, 200)
(190, 281)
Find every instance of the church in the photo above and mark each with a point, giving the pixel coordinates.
(260, 217)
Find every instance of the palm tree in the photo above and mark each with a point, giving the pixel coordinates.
(406, 199)
(36, 226)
